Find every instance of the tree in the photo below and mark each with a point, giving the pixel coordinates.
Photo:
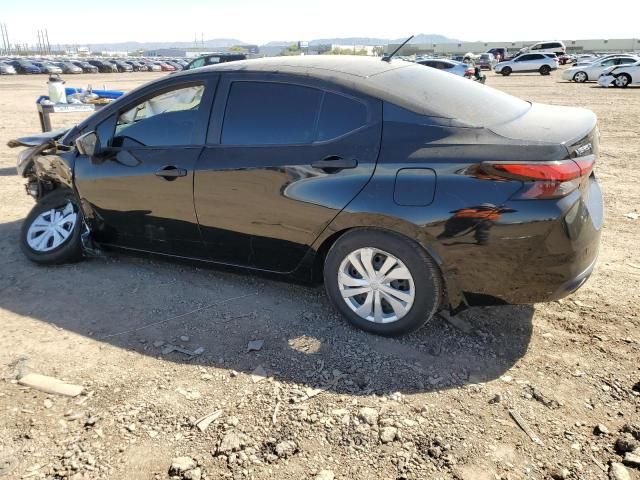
(345, 51)
(291, 50)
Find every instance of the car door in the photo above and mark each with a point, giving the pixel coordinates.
(520, 63)
(284, 156)
(139, 194)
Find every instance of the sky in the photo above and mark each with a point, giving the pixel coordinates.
(254, 21)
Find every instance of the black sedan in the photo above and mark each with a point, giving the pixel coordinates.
(405, 189)
(104, 66)
(85, 66)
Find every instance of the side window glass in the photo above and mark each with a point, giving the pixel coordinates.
(263, 113)
(197, 63)
(164, 120)
(340, 115)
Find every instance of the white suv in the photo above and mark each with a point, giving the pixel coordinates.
(555, 46)
(528, 62)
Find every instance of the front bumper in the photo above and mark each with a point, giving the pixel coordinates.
(606, 80)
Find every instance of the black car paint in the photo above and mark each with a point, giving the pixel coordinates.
(531, 251)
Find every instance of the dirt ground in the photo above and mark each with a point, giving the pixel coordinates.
(336, 401)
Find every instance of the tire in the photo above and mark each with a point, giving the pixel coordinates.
(53, 251)
(506, 71)
(545, 70)
(580, 77)
(394, 316)
(623, 80)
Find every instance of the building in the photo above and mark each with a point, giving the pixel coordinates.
(573, 46)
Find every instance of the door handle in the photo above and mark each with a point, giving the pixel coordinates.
(334, 163)
(171, 173)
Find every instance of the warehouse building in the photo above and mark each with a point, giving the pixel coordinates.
(573, 46)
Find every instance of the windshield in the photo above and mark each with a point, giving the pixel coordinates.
(427, 91)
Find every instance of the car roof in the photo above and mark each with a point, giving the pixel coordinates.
(320, 66)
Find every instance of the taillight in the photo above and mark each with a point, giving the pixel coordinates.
(470, 71)
(544, 179)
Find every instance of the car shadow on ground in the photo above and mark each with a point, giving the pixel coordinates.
(144, 305)
(8, 172)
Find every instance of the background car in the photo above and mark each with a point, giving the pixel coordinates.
(214, 59)
(6, 69)
(486, 61)
(104, 66)
(499, 53)
(85, 66)
(121, 66)
(24, 67)
(621, 75)
(555, 46)
(449, 66)
(527, 62)
(592, 71)
(48, 68)
(68, 67)
(166, 67)
(137, 66)
(152, 66)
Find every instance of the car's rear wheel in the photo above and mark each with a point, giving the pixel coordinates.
(51, 233)
(580, 77)
(623, 80)
(506, 71)
(545, 70)
(382, 282)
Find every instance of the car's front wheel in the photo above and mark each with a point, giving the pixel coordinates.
(51, 233)
(623, 80)
(506, 71)
(580, 77)
(382, 282)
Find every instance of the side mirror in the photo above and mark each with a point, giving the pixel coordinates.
(89, 144)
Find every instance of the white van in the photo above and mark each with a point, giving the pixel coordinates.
(555, 46)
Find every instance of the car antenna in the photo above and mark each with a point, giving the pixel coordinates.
(387, 58)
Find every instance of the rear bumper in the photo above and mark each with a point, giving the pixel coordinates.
(541, 251)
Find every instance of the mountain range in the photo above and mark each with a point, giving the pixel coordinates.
(215, 43)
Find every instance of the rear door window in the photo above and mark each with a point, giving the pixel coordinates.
(264, 113)
(340, 115)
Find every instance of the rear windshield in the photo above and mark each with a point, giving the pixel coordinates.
(428, 91)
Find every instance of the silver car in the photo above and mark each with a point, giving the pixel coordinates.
(6, 69)
(451, 66)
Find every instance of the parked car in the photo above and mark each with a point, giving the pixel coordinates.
(215, 58)
(584, 58)
(68, 67)
(606, 57)
(486, 61)
(175, 65)
(104, 66)
(24, 66)
(499, 53)
(555, 46)
(621, 75)
(334, 169)
(48, 68)
(152, 66)
(137, 66)
(7, 69)
(450, 66)
(121, 66)
(527, 62)
(592, 71)
(85, 66)
(165, 67)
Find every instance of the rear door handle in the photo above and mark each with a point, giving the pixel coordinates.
(171, 172)
(334, 163)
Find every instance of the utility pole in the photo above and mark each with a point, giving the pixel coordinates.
(6, 34)
(4, 43)
(48, 45)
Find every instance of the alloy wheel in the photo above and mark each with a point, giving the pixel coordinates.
(52, 228)
(376, 285)
(621, 81)
(580, 77)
